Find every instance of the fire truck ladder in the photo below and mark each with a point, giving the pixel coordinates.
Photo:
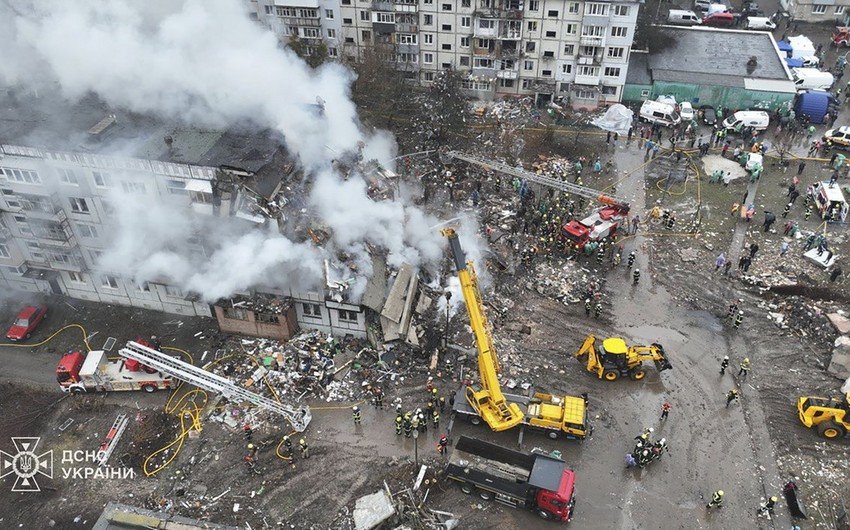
(298, 417)
(544, 180)
(111, 440)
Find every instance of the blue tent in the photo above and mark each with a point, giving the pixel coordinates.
(794, 63)
(785, 46)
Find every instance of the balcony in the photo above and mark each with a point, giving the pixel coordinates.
(595, 59)
(484, 52)
(382, 5)
(478, 71)
(486, 33)
(303, 22)
(70, 263)
(406, 28)
(589, 40)
(407, 48)
(5, 233)
(507, 74)
(510, 34)
(590, 80)
(407, 66)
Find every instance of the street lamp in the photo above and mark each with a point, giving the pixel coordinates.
(448, 296)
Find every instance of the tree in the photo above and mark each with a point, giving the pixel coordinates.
(381, 89)
(445, 109)
(649, 36)
(312, 55)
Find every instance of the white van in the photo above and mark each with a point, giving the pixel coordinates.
(757, 119)
(717, 8)
(680, 17)
(811, 78)
(657, 112)
(760, 23)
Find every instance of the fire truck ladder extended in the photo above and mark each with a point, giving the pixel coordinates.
(544, 180)
(111, 440)
(298, 417)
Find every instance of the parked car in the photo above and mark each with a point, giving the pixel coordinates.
(686, 111)
(662, 113)
(838, 136)
(753, 10)
(681, 17)
(754, 160)
(28, 320)
(666, 99)
(719, 20)
(707, 114)
(701, 5)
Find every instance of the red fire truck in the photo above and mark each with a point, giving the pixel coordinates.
(95, 372)
(600, 224)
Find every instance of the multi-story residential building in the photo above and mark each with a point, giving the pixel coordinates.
(816, 10)
(549, 49)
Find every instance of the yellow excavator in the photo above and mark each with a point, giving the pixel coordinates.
(830, 416)
(613, 358)
(556, 415)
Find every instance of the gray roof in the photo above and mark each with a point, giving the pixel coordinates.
(48, 121)
(716, 57)
(638, 73)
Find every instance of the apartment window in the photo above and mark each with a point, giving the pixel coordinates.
(594, 31)
(331, 33)
(465, 22)
(528, 65)
(364, 15)
(464, 61)
(585, 94)
(269, 10)
(170, 290)
(566, 68)
(446, 7)
(347, 22)
(144, 287)
(311, 310)
(310, 33)
(526, 84)
(623, 11)
(546, 73)
(428, 58)
(446, 66)
(592, 8)
(308, 13)
(345, 2)
(268, 318)
(552, 13)
(235, 313)
(78, 205)
(387, 18)
(94, 255)
(622, 31)
(329, 13)
(133, 187)
(24, 176)
(466, 3)
(427, 20)
(569, 49)
(4, 251)
(534, 5)
(446, 47)
(407, 38)
(366, 36)
(573, 8)
(532, 26)
(347, 316)
(486, 24)
(428, 76)
(407, 58)
(616, 52)
(570, 29)
(530, 47)
(429, 38)
(67, 176)
(446, 27)
(101, 179)
(506, 83)
(588, 70)
(551, 34)
(839, 10)
(610, 71)
(87, 230)
(109, 281)
(76, 277)
(609, 90)
(482, 62)
(549, 54)
(818, 9)
(428, 2)
(464, 42)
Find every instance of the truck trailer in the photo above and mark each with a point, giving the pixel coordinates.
(535, 481)
(95, 372)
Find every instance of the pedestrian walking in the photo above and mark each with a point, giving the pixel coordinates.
(248, 432)
(665, 410)
(769, 219)
(587, 307)
(635, 223)
(716, 500)
(724, 364)
(800, 167)
(738, 319)
(719, 262)
(744, 367)
(597, 310)
(631, 260)
(355, 414)
(443, 445)
(731, 396)
(754, 247)
(786, 211)
(793, 196)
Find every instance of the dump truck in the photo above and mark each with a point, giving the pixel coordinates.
(612, 358)
(95, 372)
(556, 415)
(537, 482)
(830, 416)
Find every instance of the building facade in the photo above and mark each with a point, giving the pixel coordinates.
(550, 49)
(816, 10)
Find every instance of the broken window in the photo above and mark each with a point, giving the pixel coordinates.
(109, 281)
(170, 290)
(311, 310)
(101, 179)
(78, 205)
(235, 313)
(67, 176)
(347, 316)
(268, 318)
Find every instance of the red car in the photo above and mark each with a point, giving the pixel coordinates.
(28, 319)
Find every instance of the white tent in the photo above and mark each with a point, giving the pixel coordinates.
(801, 46)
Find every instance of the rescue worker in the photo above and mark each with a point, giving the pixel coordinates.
(305, 451)
(443, 445)
(423, 423)
(430, 408)
(636, 276)
(644, 458)
(716, 500)
(399, 421)
(739, 318)
(767, 508)
(379, 398)
(408, 425)
(724, 364)
(616, 259)
(429, 385)
(442, 402)
(355, 413)
(665, 410)
(587, 307)
(597, 310)
(631, 260)
(744, 367)
(248, 432)
(435, 395)
(658, 448)
(287, 446)
(786, 210)
(436, 418)
(155, 343)
(600, 254)
(733, 309)
(731, 396)
(808, 212)
(252, 450)
(414, 423)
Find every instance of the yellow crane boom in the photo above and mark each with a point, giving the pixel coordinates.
(487, 399)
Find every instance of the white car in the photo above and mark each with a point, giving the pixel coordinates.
(686, 111)
(669, 100)
(810, 62)
(753, 160)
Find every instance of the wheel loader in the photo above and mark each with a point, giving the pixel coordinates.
(830, 416)
(612, 358)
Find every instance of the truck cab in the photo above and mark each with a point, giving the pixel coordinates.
(95, 372)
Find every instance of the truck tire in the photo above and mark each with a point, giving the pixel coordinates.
(637, 374)
(485, 495)
(466, 488)
(831, 430)
(77, 390)
(150, 389)
(545, 514)
(553, 435)
(475, 420)
(610, 375)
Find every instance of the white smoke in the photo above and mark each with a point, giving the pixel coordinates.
(206, 63)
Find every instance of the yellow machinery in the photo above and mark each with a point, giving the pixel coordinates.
(613, 359)
(555, 414)
(830, 416)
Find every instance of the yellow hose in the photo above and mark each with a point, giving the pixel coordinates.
(48, 339)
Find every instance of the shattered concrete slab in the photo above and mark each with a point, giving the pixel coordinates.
(839, 365)
(825, 259)
(839, 322)
(372, 510)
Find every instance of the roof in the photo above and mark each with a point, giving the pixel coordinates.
(638, 73)
(615, 345)
(91, 126)
(713, 56)
(121, 516)
(547, 473)
(832, 193)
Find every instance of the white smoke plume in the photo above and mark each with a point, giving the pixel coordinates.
(206, 63)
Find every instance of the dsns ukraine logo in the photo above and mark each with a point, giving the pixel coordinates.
(26, 464)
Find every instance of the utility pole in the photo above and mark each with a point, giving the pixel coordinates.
(448, 296)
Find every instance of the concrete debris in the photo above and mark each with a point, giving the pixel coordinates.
(839, 322)
(372, 510)
(839, 364)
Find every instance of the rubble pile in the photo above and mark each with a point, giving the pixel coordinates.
(563, 280)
